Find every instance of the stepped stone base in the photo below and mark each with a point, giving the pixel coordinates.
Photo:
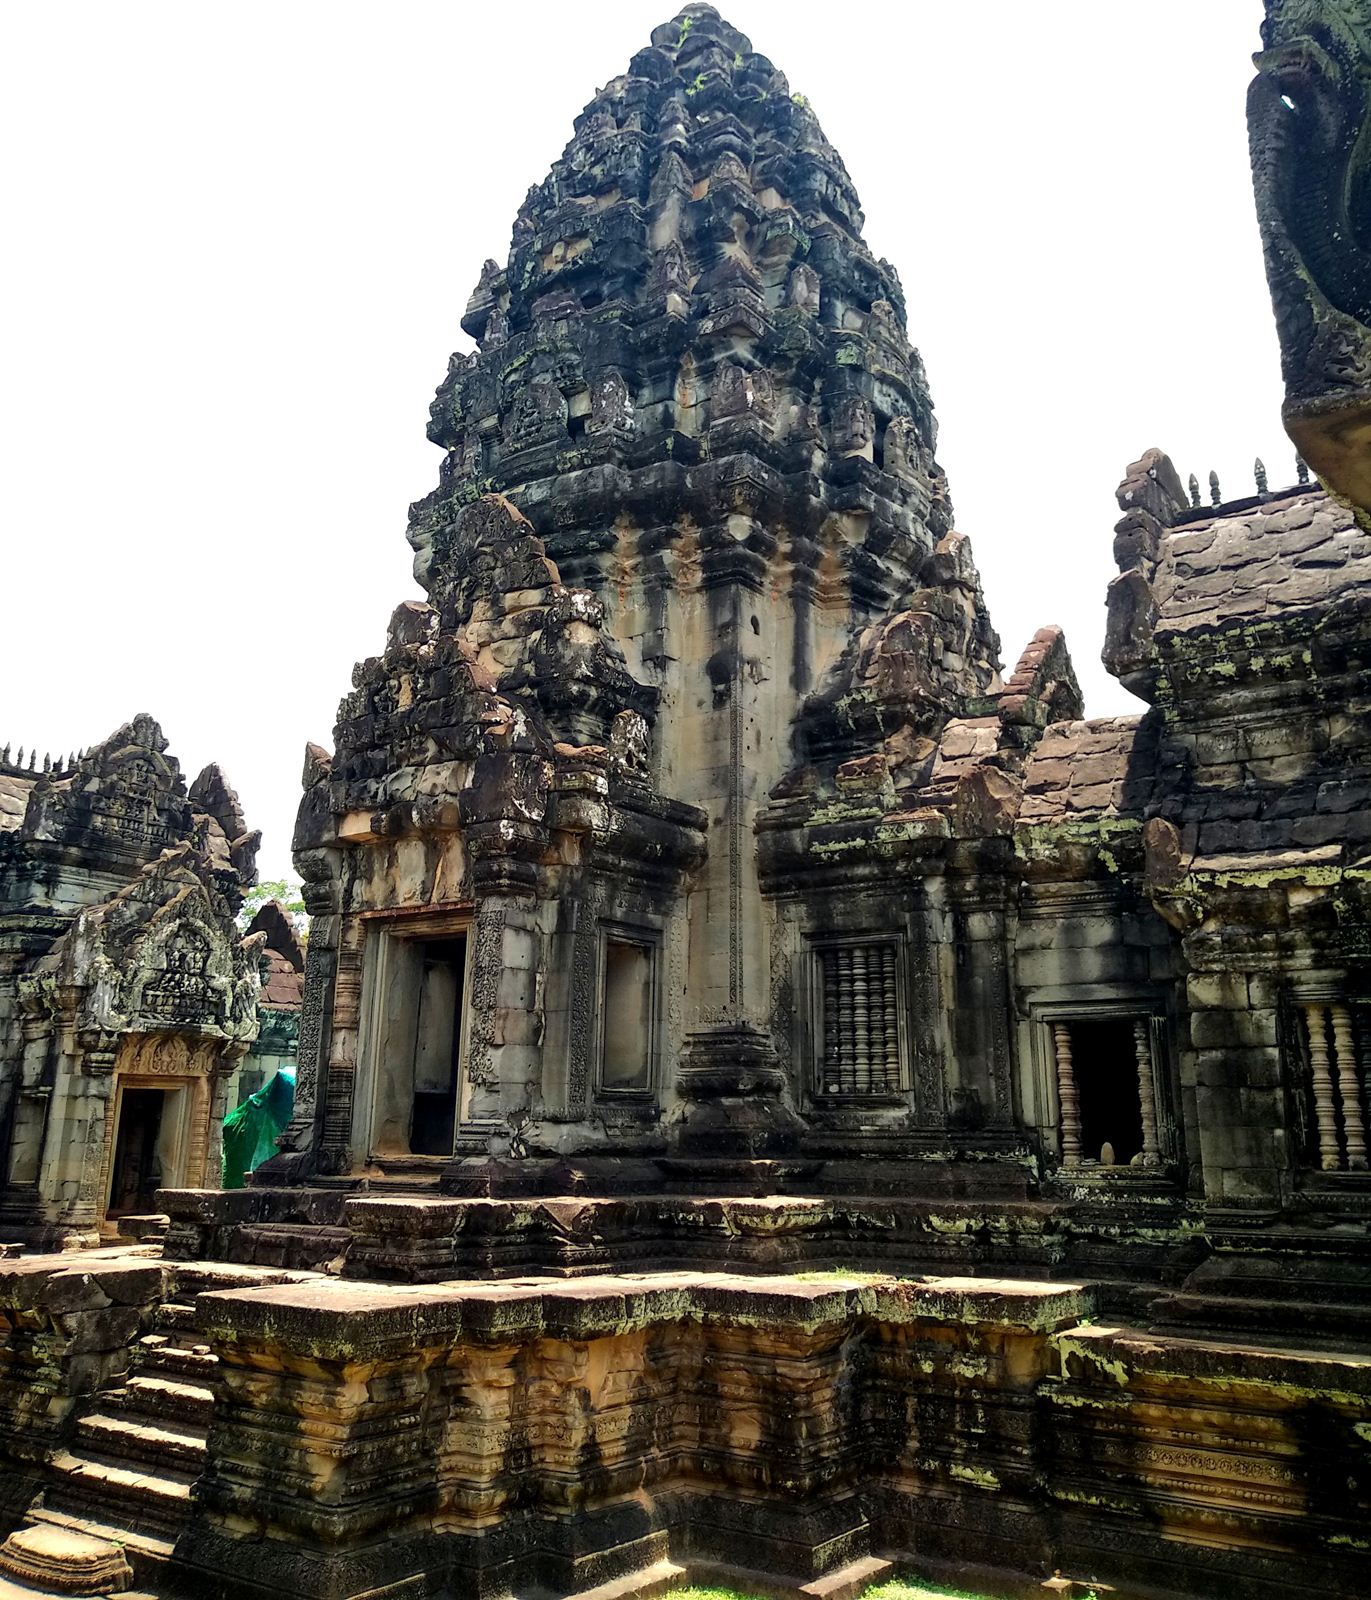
(269, 1433)
(65, 1562)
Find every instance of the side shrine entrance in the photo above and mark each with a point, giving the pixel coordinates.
(163, 1120)
(128, 997)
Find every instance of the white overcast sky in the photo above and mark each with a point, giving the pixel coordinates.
(238, 240)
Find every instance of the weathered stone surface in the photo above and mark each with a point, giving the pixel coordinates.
(706, 696)
(696, 902)
(952, 1412)
(70, 1563)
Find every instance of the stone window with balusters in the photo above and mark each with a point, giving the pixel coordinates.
(860, 1045)
(1111, 1089)
(1332, 1099)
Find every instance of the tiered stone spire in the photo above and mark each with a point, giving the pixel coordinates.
(687, 285)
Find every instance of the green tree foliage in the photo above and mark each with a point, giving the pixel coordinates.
(287, 891)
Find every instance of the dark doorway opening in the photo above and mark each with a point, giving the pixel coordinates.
(1105, 1060)
(137, 1172)
(437, 1047)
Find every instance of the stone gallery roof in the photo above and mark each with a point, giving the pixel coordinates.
(1080, 770)
(1202, 598)
(1249, 562)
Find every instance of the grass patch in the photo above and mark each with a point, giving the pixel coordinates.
(839, 1275)
(895, 1589)
(899, 1589)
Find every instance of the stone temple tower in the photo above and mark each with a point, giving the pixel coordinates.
(690, 542)
(697, 912)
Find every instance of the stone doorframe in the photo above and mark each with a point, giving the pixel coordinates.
(1052, 1072)
(169, 1062)
(384, 933)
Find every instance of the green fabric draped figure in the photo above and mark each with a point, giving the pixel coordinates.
(251, 1129)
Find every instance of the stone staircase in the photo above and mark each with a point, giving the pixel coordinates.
(138, 1446)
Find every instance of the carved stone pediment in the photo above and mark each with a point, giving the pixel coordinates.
(126, 796)
(162, 955)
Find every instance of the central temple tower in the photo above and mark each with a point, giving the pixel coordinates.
(690, 543)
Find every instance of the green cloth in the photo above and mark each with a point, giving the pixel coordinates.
(251, 1130)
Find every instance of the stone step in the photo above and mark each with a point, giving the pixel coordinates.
(157, 1353)
(39, 1557)
(301, 1246)
(150, 1226)
(151, 1546)
(849, 1581)
(172, 1399)
(647, 1583)
(85, 1485)
(398, 1186)
(190, 1278)
(176, 1316)
(122, 1438)
(412, 1166)
(1261, 1320)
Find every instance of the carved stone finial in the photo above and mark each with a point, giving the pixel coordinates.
(1194, 491)
(1259, 473)
(1301, 471)
(1215, 498)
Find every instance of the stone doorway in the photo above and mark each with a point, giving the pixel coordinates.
(418, 1005)
(158, 1128)
(437, 1052)
(1106, 1069)
(137, 1171)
